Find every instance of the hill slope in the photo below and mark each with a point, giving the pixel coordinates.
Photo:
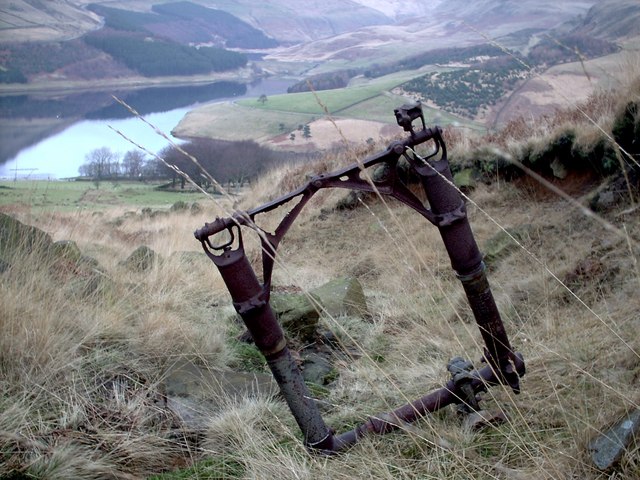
(613, 19)
(109, 359)
(23, 20)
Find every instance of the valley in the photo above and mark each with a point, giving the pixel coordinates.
(437, 53)
(123, 354)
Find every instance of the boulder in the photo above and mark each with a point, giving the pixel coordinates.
(193, 392)
(297, 315)
(317, 368)
(179, 206)
(607, 448)
(18, 238)
(354, 198)
(141, 259)
(195, 208)
(67, 250)
(81, 274)
(342, 296)
(559, 169)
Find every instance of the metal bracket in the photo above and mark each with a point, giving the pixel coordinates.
(461, 371)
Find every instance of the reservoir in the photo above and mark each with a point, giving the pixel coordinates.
(48, 137)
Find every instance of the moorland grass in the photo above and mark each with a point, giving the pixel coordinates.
(79, 372)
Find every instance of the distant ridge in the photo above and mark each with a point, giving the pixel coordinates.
(612, 19)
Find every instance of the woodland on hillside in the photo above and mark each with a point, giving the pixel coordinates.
(158, 43)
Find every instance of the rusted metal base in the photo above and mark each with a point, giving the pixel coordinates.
(446, 211)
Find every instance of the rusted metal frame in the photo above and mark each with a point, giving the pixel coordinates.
(446, 211)
(447, 205)
(390, 186)
(348, 177)
(388, 422)
(251, 301)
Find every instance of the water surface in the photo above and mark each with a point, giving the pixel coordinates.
(74, 125)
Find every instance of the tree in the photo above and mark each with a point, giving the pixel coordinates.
(306, 131)
(226, 162)
(133, 163)
(263, 99)
(99, 164)
(292, 137)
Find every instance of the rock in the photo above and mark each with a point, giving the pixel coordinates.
(79, 273)
(559, 169)
(343, 296)
(297, 315)
(603, 201)
(194, 392)
(18, 238)
(67, 250)
(481, 419)
(179, 206)
(353, 199)
(607, 449)
(317, 368)
(195, 208)
(141, 259)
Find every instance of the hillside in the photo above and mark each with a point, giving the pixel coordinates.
(53, 20)
(157, 43)
(449, 24)
(187, 23)
(124, 357)
(616, 19)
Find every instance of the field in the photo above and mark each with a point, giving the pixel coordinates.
(281, 115)
(567, 83)
(68, 196)
(95, 355)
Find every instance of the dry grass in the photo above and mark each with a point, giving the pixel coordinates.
(81, 372)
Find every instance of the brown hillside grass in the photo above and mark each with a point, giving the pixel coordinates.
(81, 371)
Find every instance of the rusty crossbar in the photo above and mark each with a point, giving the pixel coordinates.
(446, 210)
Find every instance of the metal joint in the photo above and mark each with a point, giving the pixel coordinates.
(258, 301)
(448, 218)
(462, 375)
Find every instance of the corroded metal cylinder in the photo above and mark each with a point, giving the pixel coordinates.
(252, 304)
(449, 211)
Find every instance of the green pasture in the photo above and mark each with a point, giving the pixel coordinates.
(61, 195)
(229, 121)
(334, 101)
(251, 119)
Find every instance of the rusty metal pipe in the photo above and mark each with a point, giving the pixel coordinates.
(251, 301)
(390, 421)
(446, 211)
(448, 207)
